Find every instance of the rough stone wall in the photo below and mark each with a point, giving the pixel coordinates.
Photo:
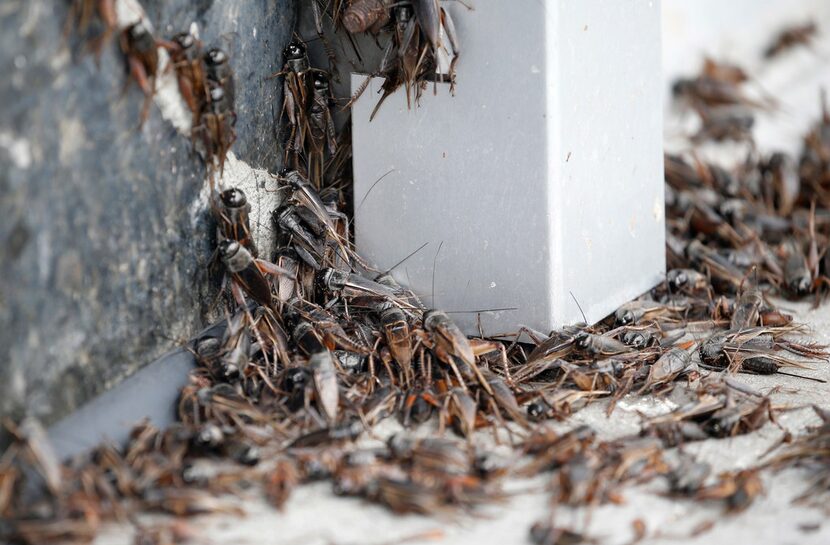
(104, 234)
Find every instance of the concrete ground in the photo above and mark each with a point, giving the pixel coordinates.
(737, 30)
(314, 515)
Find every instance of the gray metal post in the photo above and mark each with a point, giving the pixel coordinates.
(542, 176)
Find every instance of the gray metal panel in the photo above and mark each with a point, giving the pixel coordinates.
(151, 393)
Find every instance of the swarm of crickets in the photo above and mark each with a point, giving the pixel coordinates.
(320, 348)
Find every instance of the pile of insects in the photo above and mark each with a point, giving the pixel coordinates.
(331, 370)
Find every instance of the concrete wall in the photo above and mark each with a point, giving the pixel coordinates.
(104, 232)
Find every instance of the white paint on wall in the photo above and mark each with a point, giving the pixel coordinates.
(259, 185)
(19, 149)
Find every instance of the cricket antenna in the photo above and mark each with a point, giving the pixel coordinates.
(299, 38)
(579, 307)
(390, 171)
(306, 41)
(396, 265)
(801, 376)
(480, 310)
(434, 261)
